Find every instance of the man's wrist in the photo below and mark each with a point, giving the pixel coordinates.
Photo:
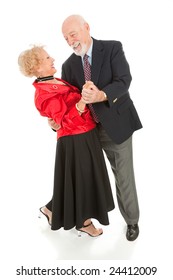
(104, 95)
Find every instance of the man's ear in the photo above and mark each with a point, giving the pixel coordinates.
(87, 26)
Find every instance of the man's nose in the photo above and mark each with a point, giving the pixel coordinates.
(70, 41)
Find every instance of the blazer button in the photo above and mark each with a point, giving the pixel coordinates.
(114, 100)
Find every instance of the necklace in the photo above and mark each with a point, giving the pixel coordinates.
(41, 79)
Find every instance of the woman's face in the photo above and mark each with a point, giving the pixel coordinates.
(46, 68)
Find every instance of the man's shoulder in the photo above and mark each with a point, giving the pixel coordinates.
(71, 58)
(106, 45)
(107, 42)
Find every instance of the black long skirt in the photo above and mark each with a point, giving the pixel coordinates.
(81, 185)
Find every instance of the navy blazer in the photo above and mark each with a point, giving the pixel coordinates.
(109, 72)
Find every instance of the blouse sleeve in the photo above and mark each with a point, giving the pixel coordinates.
(51, 107)
(55, 107)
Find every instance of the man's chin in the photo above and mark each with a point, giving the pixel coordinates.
(78, 53)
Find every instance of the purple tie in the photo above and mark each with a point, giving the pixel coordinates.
(87, 74)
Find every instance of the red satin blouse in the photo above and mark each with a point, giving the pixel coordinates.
(58, 101)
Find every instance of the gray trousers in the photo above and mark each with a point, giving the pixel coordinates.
(120, 157)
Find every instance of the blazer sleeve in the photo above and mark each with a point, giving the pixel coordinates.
(110, 69)
(121, 76)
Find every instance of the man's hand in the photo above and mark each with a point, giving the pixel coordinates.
(53, 124)
(91, 94)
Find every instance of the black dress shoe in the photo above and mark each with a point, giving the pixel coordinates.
(132, 232)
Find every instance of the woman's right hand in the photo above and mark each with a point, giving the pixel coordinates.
(53, 124)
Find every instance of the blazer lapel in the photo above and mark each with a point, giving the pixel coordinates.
(97, 60)
(78, 70)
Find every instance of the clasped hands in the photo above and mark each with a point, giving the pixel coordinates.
(90, 94)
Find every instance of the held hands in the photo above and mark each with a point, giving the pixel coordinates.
(91, 94)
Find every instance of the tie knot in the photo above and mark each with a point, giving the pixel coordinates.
(85, 58)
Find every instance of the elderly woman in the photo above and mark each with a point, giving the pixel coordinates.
(82, 189)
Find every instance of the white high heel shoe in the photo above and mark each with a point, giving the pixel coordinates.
(42, 213)
(81, 230)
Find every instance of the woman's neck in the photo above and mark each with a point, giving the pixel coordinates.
(42, 79)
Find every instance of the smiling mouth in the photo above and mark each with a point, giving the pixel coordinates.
(75, 46)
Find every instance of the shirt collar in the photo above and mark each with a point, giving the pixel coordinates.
(89, 52)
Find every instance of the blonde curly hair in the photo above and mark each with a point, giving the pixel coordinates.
(29, 61)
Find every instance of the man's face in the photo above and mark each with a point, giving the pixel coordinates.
(77, 36)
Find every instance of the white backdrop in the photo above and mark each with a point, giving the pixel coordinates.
(28, 146)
